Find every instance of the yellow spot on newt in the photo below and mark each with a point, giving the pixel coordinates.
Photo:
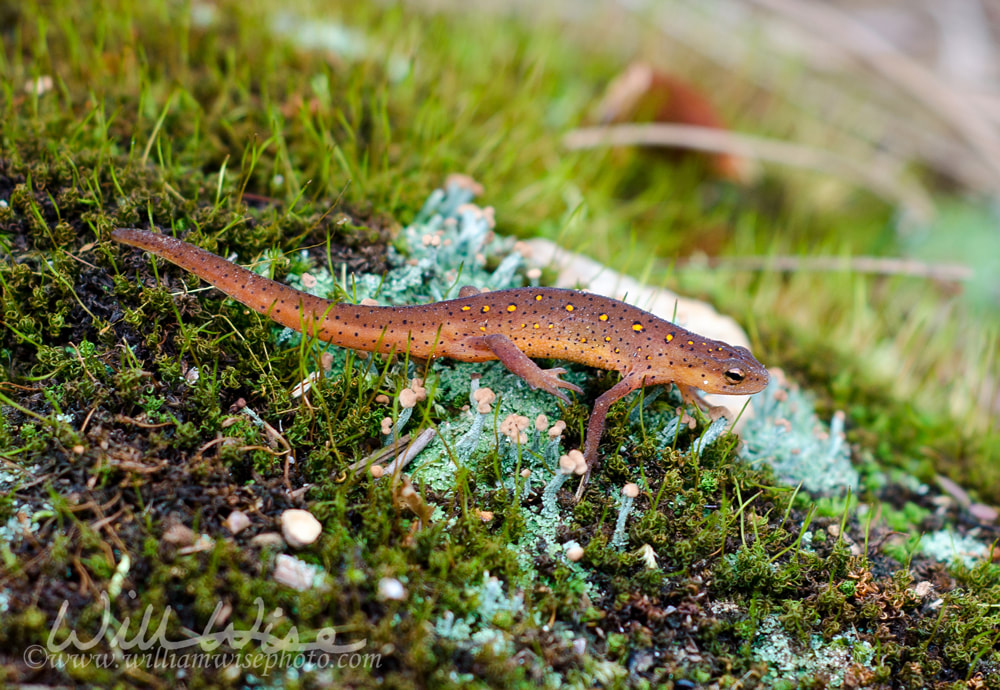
(552, 325)
(603, 317)
(637, 327)
(690, 342)
(583, 340)
(617, 350)
(670, 336)
(512, 307)
(538, 298)
(466, 308)
(569, 307)
(535, 326)
(482, 328)
(607, 338)
(486, 308)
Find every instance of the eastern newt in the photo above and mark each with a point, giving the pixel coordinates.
(510, 325)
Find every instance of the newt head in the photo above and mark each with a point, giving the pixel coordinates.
(708, 365)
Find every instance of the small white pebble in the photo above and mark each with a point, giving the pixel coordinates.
(237, 522)
(179, 535)
(265, 539)
(291, 572)
(300, 528)
(391, 589)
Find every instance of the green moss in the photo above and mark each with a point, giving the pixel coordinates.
(133, 398)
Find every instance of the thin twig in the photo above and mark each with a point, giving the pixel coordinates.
(824, 21)
(855, 264)
(868, 173)
(404, 458)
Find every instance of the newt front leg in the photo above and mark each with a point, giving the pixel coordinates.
(546, 379)
(595, 427)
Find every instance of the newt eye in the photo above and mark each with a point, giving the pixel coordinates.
(735, 375)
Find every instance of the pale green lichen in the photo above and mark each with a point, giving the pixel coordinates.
(483, 628)
(785, 432)
(948, 547)
(24, 518)
(619, 538)
(791, 663)
(709, 436)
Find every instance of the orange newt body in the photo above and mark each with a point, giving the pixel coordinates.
(510, 325)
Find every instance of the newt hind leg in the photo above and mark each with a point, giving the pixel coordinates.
(545, 379)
